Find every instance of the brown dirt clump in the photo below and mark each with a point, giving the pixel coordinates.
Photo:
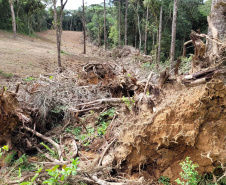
(191, 125)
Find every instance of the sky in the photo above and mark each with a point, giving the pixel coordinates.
(74, 4)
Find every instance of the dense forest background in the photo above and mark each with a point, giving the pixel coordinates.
(35, 16)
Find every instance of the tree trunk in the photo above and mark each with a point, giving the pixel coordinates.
(58, 28)
(138, 19)
(217, 24)
(84, 28)
(119, 23)
(57, 33)
(138, 24)
(126, 22)
(71, 23)
(105, 32)
(146, 32)
(99, 41)
(173, 39)
(135, 35)
(13, 18)
(160, 37)
(157, 39)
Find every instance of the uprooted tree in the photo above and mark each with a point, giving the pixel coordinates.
(213, 51)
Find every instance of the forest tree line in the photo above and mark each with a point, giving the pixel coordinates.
(128, 22)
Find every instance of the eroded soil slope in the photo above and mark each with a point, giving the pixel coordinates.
(191, 124)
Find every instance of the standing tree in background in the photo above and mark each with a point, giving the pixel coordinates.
(160, 37)
(119, 23)
(135, 8)
(13, 18)
(146, 4)
(105, 32)
(58, 28)
(84, 26)
(126, 14)
(173, 39)
(217, 24)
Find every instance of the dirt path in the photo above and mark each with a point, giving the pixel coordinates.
(27, 56)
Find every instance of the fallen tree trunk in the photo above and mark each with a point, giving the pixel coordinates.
(204, 76)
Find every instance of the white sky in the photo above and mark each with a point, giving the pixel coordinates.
(74, 4)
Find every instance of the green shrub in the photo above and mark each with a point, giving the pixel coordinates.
(164, 180)
(189, 174)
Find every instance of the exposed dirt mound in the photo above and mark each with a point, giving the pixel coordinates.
(10, 115)
(192, 125)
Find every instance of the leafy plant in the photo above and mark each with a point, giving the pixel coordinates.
(186, 64)
(4, 149)
(129, 102)
(208, 178)
(29, 79)
(75, 131)
(7, 75)
(103, 122)
(33, 178)
(50, 150)
(164, 180)
(63, 52)
(103, 128)
(57, 175)
(58, 109)
(189, 174)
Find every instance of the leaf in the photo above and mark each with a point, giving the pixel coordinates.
(62, 178)
(51, 77)
(55, 168)
(19, 173)
(6, 147)
(64, 166)
(25, 183)
(33, 178)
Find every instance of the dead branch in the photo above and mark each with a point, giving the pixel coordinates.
(102, 182)
(147, 84)
(85, 110)
(107, 100)
(184, 48)
(106, 149)
(46, 139)
(164, 75)
(177, 66)
(205, 73)
(197, 82)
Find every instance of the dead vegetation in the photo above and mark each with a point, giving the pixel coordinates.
(128, 125)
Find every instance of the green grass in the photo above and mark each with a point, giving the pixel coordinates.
(5, 75)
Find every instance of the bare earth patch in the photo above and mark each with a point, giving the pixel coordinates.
(27, 56)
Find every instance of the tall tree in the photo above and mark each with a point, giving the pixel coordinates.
(119, 23)
(135, 5)
(146, 3)
(58, 28)
(105, 32)
(160, 37)
(84, 26)
(217, 24)
(173, 39)
(126, 14)
(13, 18)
